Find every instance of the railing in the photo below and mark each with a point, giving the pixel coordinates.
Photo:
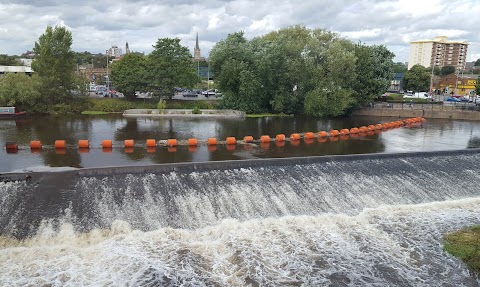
(449, 106)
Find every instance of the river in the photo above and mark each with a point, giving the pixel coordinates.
(432, 135)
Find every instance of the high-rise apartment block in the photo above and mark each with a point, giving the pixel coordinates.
(438, 52)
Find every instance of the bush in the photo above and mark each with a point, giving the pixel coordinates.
(162, 104)
(196, 110)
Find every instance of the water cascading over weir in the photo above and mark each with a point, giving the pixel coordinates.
(319, 221)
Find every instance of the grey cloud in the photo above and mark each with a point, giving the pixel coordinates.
(98, 24)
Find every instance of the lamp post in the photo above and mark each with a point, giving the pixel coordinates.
(208, 76)
(107, 80)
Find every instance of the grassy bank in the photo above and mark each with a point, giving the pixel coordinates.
(465, 245)
(113, 105)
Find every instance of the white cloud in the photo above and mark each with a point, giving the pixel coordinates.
(98, 24)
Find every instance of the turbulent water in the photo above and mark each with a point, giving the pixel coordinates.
(345, 222)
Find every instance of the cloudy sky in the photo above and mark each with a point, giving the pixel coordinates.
(97, 25)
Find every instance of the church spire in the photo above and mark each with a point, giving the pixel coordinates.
(197, 47)
(196, 51)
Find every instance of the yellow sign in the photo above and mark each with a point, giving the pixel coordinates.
(471, 82)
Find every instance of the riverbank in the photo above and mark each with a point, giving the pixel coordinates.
(465, 245)
(166, 113)
(425, 111)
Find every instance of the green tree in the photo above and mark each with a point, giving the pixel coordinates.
(18, 90)
(129, 75)
(374, 69)
(417, 79)
(477, 63)
(170, 65)
(54, 65)
(399, 67)
(447, 70)
(6, 60)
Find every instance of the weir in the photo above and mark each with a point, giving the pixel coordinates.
(357, 220)
(195, 195)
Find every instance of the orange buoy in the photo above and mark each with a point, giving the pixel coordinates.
(248, 139)
(106, 143)
(280, 138)
(295, 137)
(60, 144)
(192, 142)
(334, 133)
(344, 132)
(171, 142)
(371, 127)
(211, 141)
(11, 145)
(151, 143)
(378, 126)
(363, 129)
(83, 144)
(322, 134)
(354, 131)
(129, 143)
(35, 145)
(308, 135)
(265, 139)
(230, 141)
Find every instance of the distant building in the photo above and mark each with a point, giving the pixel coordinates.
(458, 84)
(28, 54)
(438, 52)
(15, 70)
(114, 51)
(396, 85)
(26, 62)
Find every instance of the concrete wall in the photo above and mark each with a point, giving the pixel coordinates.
(183, 113)
(428, 114)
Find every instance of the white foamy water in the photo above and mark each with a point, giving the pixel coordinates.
(384, 246)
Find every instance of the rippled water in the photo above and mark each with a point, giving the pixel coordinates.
(344, 221)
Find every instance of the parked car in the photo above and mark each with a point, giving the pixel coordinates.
(212, 92)
(188, 93)
(452, 99)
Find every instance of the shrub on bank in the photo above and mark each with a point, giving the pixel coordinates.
(119, 105)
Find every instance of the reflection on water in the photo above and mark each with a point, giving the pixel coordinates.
(433, 135)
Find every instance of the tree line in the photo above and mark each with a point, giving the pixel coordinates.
(294, 70)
